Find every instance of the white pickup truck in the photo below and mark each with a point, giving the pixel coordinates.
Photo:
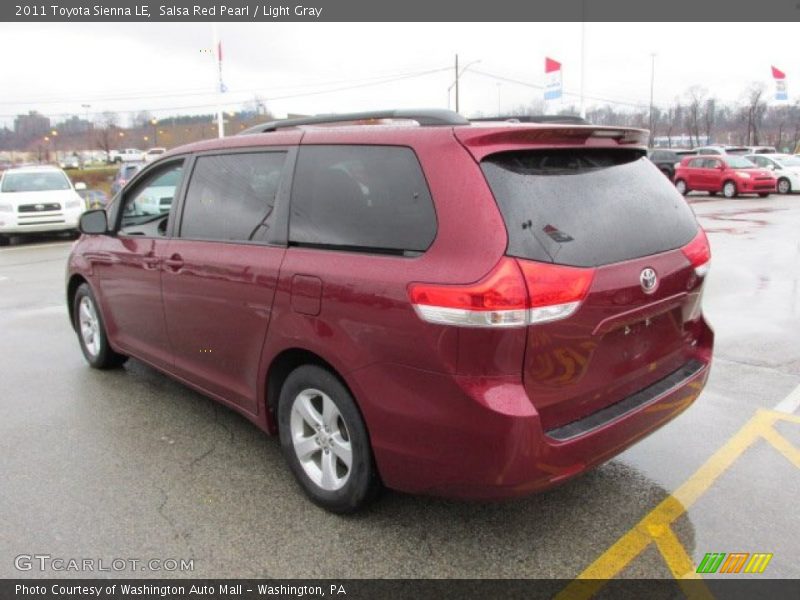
(125, 155)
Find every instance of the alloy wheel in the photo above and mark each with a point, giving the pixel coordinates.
(321, 440)
(89, 325)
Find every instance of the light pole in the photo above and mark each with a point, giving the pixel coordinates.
(86, 107)
(154, 123)
(583, 58)
(459, 73)
(652, 82)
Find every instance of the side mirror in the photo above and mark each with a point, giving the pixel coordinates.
(80, 186)
(93, 222)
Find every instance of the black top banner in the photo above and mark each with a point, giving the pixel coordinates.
(407, 10)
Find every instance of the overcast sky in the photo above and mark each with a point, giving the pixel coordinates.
(167, 69)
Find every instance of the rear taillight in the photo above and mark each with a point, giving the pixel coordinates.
(515, 293)
(498, 300)
(699, 253)
(554, 291)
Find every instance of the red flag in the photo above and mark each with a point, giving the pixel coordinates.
(551, 65)
(778, 74)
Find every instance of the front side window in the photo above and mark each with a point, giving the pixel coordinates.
(231, 196)
(361, 198)
(146, 207)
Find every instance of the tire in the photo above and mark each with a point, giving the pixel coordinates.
(681, 186)
(92, 332)
(4, 240)
(668, 174)
(712, 193)
(729, 189)
(784, 186)
(763, 195)
(316, 446)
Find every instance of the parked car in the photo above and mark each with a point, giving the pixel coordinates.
(756, 150)
(94, 198)
(721, 150)
(157, 198)
(730, 174)
(124, 175)
(666, 159)
(476, 311)
(37, 200)
(126, 155)
(785, 167)
(72, 161)
(153, 153)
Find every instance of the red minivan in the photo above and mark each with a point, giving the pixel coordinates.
(470, 310)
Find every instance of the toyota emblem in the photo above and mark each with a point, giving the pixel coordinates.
(649, 280)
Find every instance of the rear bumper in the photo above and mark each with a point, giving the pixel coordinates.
(481, 438)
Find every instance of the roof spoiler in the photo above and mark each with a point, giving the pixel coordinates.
(432, 117)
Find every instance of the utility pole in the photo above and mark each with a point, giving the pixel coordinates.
(652, 82)
(456, 82)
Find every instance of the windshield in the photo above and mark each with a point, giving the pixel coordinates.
(587, 207)
(43, 181)
(738, 162)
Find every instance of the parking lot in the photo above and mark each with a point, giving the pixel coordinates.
(129, 463)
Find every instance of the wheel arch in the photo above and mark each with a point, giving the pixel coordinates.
(279, 369)
(73, 284)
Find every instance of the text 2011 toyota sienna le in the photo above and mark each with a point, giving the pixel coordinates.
(471, 310)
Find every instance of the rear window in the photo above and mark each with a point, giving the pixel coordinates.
(587, 207)
(361, 198)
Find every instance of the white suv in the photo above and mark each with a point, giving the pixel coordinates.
(38, 199)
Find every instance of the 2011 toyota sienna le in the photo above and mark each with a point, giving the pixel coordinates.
(446, 307)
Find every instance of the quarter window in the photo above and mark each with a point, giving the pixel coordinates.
(361, 198)
(231, 196)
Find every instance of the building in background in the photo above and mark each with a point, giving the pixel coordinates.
(31, 125)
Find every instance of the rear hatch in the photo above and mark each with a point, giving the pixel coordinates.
(613, 260)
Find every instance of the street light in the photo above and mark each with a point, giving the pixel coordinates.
(652, 82)
(154, 123)
(86, 107)
(459, 73)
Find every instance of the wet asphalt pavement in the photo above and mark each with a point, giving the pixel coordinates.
(129, 464)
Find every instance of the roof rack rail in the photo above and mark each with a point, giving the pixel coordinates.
(427, 117)
(561, 119)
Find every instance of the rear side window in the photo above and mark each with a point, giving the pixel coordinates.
(361, 198)
(587, 207)
(231, 196)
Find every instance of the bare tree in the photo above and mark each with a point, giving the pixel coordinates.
(709, 116)
(754, 108)
(695, 97)
(105, 132)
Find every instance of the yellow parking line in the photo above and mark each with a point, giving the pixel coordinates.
(783, 446)
(655, 527)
